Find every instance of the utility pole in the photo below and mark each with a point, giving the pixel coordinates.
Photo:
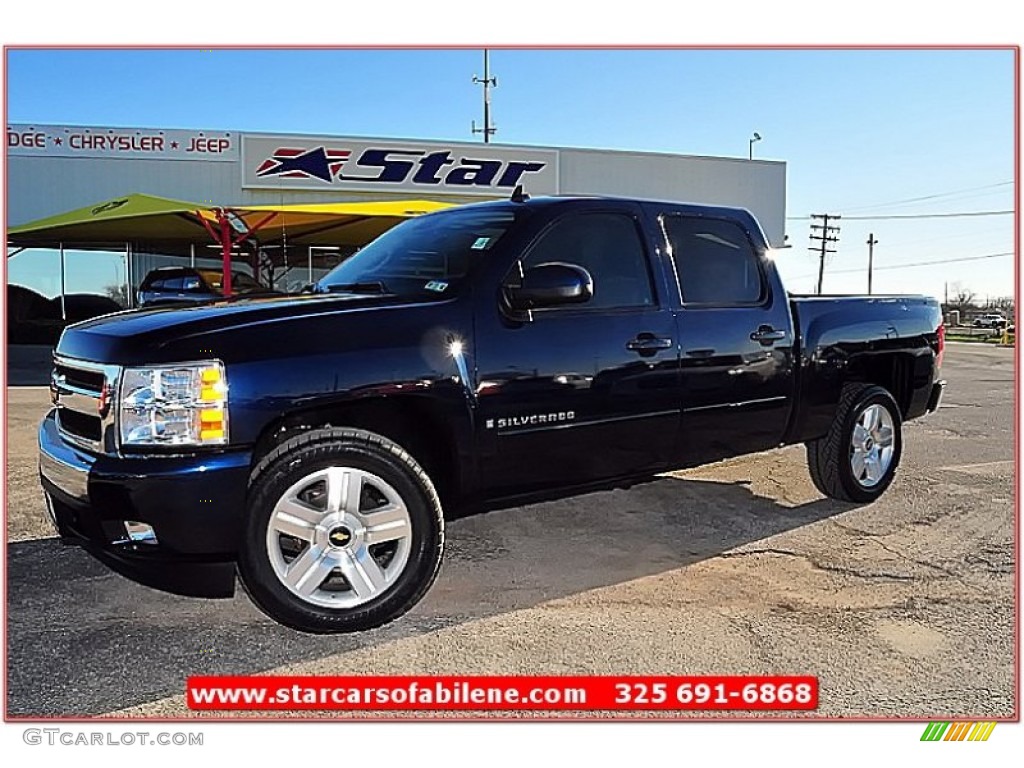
(487, 82)
(871, 258)
(825, 233)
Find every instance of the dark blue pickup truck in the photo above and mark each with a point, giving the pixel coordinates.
(468, 359)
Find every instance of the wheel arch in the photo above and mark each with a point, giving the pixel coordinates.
(906, 374)
(430, 430)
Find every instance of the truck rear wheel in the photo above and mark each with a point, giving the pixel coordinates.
(857, 460)
(345, 532)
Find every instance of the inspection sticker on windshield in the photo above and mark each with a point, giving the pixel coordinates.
(481, 243)
(437, 285)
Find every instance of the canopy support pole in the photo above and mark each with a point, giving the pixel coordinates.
(224, 238)
(128, 275)
(63, 302)
(192, 255)
(225, 244)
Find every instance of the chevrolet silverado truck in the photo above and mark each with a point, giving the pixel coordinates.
(475, 358)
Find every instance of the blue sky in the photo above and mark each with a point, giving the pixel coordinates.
(861, 131)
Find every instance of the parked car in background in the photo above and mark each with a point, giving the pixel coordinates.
(990, 320)
(186, 286)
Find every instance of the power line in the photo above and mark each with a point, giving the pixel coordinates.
(949, 215)
(917, 264)
(930, 197)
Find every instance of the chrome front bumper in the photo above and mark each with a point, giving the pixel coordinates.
(64, 465)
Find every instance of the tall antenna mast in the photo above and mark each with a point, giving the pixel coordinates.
(487, 82)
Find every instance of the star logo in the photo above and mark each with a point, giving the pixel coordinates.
(113, 204)
(57, 140)
(174, 145)
(317, 163)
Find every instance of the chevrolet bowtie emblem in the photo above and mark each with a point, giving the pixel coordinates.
(339, 537)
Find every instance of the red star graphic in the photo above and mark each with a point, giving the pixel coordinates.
(174, 145)
(57, 140)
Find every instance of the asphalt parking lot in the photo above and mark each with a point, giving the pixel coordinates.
(901, 608)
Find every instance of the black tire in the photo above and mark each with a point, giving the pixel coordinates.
(828, 458)
(367, 452)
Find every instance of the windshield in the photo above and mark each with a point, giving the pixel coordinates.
(429, 256)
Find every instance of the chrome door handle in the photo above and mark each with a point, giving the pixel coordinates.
(647, 342)
(767, 335)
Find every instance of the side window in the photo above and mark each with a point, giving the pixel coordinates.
(166, 284)
(715, 261)
(609, 247)
(191, 283)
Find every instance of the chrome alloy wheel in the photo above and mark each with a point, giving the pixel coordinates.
(872, 445)
(339, 537)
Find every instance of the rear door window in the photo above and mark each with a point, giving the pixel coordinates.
(715, 261)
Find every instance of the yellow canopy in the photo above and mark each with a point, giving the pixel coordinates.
(342, 224)
(132, 217)
(144, 218)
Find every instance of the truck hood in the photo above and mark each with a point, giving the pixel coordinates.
(147, 334)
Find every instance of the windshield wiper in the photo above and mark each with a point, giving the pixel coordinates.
(369, 286)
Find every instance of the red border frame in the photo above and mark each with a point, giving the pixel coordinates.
(625, 717)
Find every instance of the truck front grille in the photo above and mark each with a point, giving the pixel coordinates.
(80, 425)
(91, 381)
(83, 393)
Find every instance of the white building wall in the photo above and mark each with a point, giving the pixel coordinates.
(758, 185)
(53, 180)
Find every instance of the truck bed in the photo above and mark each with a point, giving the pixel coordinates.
(832, 330)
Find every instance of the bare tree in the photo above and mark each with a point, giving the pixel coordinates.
(961, 298)
(1004, 304)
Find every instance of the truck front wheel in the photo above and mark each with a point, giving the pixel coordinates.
(857, 460)
(345, 532)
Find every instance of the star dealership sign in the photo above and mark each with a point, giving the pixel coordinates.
(380, 166)
(120, 143)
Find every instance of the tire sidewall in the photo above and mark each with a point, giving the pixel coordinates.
(262, 583)
(870, 396)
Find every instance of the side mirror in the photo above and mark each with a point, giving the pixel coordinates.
(551, 285)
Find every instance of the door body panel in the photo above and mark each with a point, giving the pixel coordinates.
(579, 394)
(562, 400)
(737, 393)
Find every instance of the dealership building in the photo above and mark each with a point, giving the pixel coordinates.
(53, 170)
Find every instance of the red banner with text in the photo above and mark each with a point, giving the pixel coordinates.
(496, 693)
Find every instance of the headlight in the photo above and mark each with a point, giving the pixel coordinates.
(184, 404)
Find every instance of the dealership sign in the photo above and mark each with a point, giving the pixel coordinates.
(120, 143)
(391, 166)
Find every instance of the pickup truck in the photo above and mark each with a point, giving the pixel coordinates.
(991, 320)
(475, 358)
